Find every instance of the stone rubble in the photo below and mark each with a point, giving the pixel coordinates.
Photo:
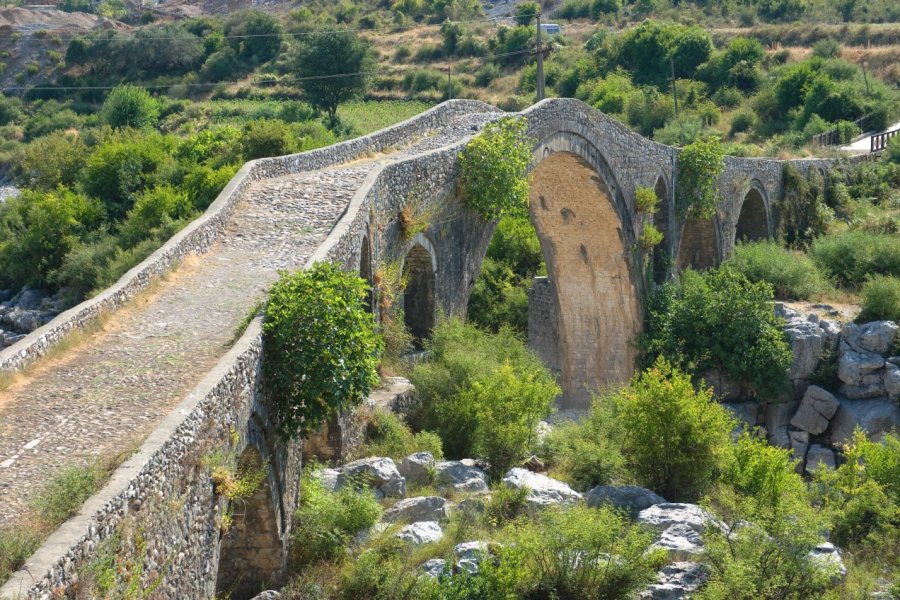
(543, 491)
(420, 533)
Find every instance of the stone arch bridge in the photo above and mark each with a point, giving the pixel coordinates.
(167, 372)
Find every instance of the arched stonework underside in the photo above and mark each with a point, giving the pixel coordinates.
(699, 248)
(753, 222)
(365, 271)
(587, 262)
(418, 297)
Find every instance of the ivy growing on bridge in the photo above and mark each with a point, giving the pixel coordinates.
(493, 169)
(699, 166)
(322, 349)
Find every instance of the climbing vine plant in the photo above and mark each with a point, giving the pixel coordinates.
(322, 349)
(699, 166)
(493, 169)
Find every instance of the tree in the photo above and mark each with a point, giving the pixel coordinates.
(129, 106)
(322, 349)
(333, 67)
(526, 12)
(254, 35)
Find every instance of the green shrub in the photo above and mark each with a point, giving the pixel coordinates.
(387, 435)
(792, 275)
(129, 106)
(461, 391)
(83, 267)
(266, 138)
(322, 348)
(584, 454)
(153, 209)
(202, 184)
(50, 161)
(17, 543)
(880, 299)
(578, 552)
(493, 169)
(719, 321)
(854, 256)
(674, 440)
(326, 521)
(505, 504)
(699, 166)
(499, 298)
(742, 121)
(65, 492)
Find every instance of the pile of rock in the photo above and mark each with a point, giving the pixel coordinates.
(22, 313)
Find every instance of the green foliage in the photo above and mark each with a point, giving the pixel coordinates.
(804, 214)
(526, 12)
(505, 504)
(17, 543)
(675, 441)
(326, 521)
(50, 161)
(645, 200)
(854, 256)
(506, 405)
(154, 209)
(322, 348)
(255, 36)
(265, 138)
(66, 491)
(129, 106)
(699, 166)
(37, 230)
(646, 51)
(462, 395)
(719, 321)
(792, 274)
(202, 184)
(650, 237)
(493, 169)
(387, 435)
(880, 299)
(332, 53)
(124, 166)
(578, 552)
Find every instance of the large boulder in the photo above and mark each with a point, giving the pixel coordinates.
(461, 477)
(818, 456)
(378, 472)
(661, 516)
(799, 444)
(421, 508)
(777, 417)
(816, 410)
(329, 479)
(630, 498)
(854, 366)
(469, 554)
(423, 532)
(876, 336)
(681, 541)
(807, 343)
(829, 558)
(676, 581)
(543, 491)
(876, 417)
(417, 468)
(434, 567)
(267, 595)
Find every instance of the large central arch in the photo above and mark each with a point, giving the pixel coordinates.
(586, 250)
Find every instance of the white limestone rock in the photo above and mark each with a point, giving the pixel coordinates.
(434, 567)
(876, 336)
(631, 498)
(460, 476)
(380, 472)
(420, 508)
(807, 342)
(875, 417)
(676, 581)
(829, 558)
(853, 366)
(816, 410)
(661, 516)
(469, 554)
(415, 468)
(329, 479)
(892, 381)
(817, 456)
(422, 532)
(681, 541)
(543, 491)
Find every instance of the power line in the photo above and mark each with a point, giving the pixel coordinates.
(250, 83)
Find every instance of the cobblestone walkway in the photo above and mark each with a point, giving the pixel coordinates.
(108, 393)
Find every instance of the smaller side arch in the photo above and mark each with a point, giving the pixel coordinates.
(661, 253)
(699, 246)
(419, 271)
(753, 222)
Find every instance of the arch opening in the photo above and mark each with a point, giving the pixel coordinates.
(698, 248)
(365, 272)
(753, 222)
(251, 555)
(418, 297)
(661, 257)
(594, 293)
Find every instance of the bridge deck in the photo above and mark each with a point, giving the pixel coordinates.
(108, 393)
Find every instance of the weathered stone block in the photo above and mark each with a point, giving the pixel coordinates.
(816, 409)
(853, 366)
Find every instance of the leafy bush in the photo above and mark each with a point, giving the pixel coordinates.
(493, 169)
(880, 299)
(202, 184)
(266, 138)
(322, 348)
(719, 321)
(803, 212)
(326, 521)
(853, 256)
(585, 454)
(674, 440)
(578, 552)
(792, 275)
(153, 209)
(742, 121)
(699, 166)
(387, 435)
(461, 390)
(499, 298)
(17, 543)
(50, 161)
(129, 106)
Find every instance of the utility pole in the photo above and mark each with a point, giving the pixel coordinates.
(540, 61)
(674, 91)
